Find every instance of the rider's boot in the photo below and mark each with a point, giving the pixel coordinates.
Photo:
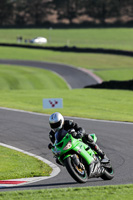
(100, 153)
(89, 140)
(95, 170)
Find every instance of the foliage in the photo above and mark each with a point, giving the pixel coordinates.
(34, 12)
(30, 12)
(101, 9)
(6, 12)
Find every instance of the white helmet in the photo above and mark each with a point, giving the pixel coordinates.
(56, 121)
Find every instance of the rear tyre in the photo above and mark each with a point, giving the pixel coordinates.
(79, 175)
(108, 173)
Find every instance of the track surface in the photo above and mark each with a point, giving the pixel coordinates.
(29, 132)
(73, 76)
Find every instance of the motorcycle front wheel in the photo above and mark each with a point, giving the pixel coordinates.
(79, 175)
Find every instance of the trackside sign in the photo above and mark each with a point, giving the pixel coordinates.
(53, 103)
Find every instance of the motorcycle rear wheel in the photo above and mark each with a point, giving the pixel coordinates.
(79, 175)
(108, 174)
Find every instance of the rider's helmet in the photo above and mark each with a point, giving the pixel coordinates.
(56, 121)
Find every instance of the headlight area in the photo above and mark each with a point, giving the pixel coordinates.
(68, 145)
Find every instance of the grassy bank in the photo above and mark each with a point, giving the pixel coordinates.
(96, 62)
(121, 192)
(15, 77)
(86, 60)
(24, 88)
(14, 164)
(115, 38)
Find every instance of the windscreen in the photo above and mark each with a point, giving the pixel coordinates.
(59, 135)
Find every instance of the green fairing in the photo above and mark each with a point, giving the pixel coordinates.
(76, 145)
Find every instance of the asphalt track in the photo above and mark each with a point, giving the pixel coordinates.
(73, 76)
(29, 132)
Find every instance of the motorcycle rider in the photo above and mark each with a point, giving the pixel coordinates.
(57, 122)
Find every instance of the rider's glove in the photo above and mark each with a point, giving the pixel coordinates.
(72, 132)
(79, 134)
(50, 146)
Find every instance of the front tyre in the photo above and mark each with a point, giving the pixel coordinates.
(79, 175)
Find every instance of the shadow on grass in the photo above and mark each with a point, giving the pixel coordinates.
(73, 49)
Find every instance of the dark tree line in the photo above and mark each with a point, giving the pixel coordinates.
(39, 12)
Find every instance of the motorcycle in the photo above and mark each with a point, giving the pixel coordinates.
(77, 157)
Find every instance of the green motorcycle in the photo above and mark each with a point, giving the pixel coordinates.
(79, 159)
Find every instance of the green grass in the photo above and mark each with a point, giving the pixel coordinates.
(14, 164)
(15, 77)
(99, 104)
(116, 38)
(122, 74)
(113, 38)
(86, 60)
(121, 192)
(90, 103)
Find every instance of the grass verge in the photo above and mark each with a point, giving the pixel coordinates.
(120, 192)
(89, 103)
(14, 164)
